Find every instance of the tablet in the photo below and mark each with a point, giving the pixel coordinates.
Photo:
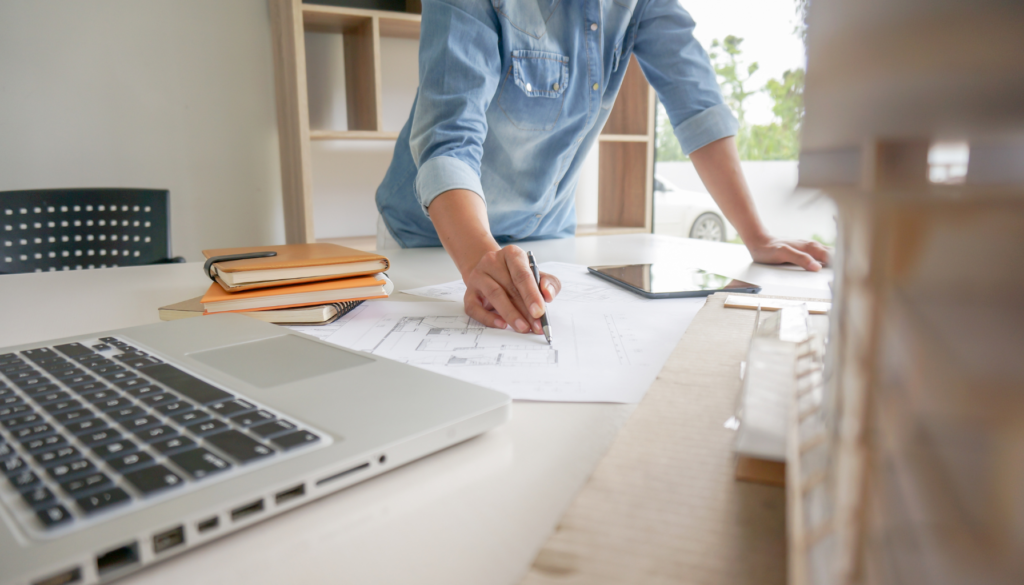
(669, 280)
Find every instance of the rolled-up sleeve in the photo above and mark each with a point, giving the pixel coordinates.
(681, 73)
(460, 66)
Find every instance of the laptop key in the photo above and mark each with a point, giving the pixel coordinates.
(101, 347)
(101, 395)
(156, 478)
(158, 399)
(29, 381)
(232, 407)
(33, 431)
(270, 429)
(73, 349)
(143, 389)
(116, 377)
(86, 426)
(15, 368)
(13, 466)
(10, 400)
(173, 445)
(38, 496)
(113, 404)
(207, 427)
(106, 370)
(8, 358)
(173, 408)
(62, 406)
(130, 355)
(51, 397)
(24, 420)
(186, 384)
(91, 388)
(293, 440)
(99, 363)
(42, 389)
(25, 480)
(141, 423)
(124, 414)
(103, 500)
(199, 462)
(6, 450)
(187, 418)
(70, 469)
(131, 383)
(85, 484)
(44, 443)
(142, 362)
(79, 379)
(39, 353)
(238, 446)
(156, 433)
(99, 437)
(54, 515)
(66, 373)
(115, 449)
(15, 411)
(131, 461)
(58, 455)
(71, 416)
(252, 418)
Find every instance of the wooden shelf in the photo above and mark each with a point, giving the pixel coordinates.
(351, 135)
(342, 20)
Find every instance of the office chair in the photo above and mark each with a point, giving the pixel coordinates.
(46, 230)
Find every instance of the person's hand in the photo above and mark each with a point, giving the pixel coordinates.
(804, 253)
(501, 290)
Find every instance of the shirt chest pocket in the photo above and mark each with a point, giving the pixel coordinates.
(533, 92)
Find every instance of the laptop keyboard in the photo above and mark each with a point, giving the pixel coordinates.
(90, 427)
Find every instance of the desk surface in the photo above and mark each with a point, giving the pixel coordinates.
(476, 513)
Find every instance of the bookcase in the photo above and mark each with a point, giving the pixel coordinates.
(626, 144)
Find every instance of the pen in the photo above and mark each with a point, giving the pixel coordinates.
(544, 317)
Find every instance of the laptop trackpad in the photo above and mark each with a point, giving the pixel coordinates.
(278, 360)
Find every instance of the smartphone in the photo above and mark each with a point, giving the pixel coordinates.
(667, 280)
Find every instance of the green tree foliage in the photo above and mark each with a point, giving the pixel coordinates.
(778, 140)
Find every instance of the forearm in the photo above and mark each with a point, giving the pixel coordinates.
(460, 218)
(718, 165)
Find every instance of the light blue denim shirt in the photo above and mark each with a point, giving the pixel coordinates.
(513, 94)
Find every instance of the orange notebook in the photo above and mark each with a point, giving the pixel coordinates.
(294, 264)
(217, 300)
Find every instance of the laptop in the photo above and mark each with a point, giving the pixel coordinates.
(125, 448)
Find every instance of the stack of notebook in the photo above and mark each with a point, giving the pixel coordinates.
(298, 284)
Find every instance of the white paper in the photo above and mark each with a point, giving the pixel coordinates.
(602, 350)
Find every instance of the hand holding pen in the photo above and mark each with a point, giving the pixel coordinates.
(543, 318)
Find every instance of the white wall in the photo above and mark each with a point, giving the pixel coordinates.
(174, 94)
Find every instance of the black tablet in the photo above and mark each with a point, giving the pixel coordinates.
(668, 280)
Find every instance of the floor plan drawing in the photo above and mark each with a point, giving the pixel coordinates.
(459, 341)
(600, 351)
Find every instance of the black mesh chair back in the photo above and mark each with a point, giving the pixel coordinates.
(75, 229)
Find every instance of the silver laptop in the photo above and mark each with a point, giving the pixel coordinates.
(125, 448)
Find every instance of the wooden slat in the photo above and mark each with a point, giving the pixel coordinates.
(630, 112)
(292, 119)
(622, 184)
(362, 84)
(623, 138)
(663, 506)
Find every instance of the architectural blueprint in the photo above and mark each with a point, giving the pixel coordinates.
(601, 351)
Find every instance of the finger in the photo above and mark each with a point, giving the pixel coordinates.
(550, 286)
(801, 259)
(523, 280)
(495, 293)
(476, 310)
(816, 250)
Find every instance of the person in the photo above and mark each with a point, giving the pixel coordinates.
(512, 95)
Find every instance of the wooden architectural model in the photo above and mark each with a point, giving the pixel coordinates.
(913, 469)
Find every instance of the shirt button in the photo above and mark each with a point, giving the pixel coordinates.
(593, 26)
(529, 87)
(595, 87)
(555, 87)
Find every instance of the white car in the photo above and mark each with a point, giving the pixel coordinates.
(688, 214)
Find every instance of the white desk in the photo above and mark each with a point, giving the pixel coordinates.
(474, 514)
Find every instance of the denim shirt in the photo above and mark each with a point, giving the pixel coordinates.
(514, 93)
